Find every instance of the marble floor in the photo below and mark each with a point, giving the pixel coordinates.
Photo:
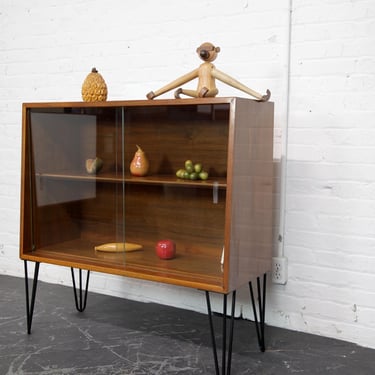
(116, 336)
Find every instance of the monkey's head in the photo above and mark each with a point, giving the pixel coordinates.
(207, 51)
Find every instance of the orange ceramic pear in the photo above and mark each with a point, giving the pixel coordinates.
(139, 165)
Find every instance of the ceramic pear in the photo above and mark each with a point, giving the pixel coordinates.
(139, 165)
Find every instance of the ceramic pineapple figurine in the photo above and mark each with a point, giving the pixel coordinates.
(94, 88)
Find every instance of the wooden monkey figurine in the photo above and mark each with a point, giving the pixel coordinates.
(206, 74)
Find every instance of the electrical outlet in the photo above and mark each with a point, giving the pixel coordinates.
(279, 270)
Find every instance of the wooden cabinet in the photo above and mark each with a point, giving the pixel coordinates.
(222, 226)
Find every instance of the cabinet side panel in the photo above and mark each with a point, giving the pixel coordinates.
(251, 230)
(25, 232)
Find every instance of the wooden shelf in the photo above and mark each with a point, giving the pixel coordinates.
(198, 269)
(219, 182)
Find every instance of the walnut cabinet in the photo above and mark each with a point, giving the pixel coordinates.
(222, 226)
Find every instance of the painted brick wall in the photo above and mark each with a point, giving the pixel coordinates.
(330, 206)
(324, 127)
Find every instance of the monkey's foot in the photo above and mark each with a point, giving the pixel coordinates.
(203, 92)
(177, 93)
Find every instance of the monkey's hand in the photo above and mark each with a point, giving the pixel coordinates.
(151, 95)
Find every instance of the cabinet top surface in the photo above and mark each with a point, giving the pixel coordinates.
(156, 102)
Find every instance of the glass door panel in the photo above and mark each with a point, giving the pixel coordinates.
(76, 182)
(186, 212)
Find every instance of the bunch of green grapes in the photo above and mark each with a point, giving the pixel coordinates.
(192, 171)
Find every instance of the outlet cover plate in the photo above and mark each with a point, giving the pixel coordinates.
(279, 270)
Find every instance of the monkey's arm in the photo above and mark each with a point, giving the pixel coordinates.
(177, 82)
(238, 85)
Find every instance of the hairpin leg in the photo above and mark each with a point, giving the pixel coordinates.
(259, 325)
(226, 362)
(30, 303)
(80, 300)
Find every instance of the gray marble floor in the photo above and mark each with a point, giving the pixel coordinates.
(116, 336)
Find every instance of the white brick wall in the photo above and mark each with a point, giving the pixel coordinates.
(330, 206)
(48, 47)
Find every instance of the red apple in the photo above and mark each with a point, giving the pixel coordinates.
(165, 249)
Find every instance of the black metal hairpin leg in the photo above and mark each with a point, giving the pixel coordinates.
(30, 304)
(80, 300)
(259, 325)
(226, 363)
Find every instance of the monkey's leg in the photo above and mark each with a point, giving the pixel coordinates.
(192, 93)
(203, 93)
